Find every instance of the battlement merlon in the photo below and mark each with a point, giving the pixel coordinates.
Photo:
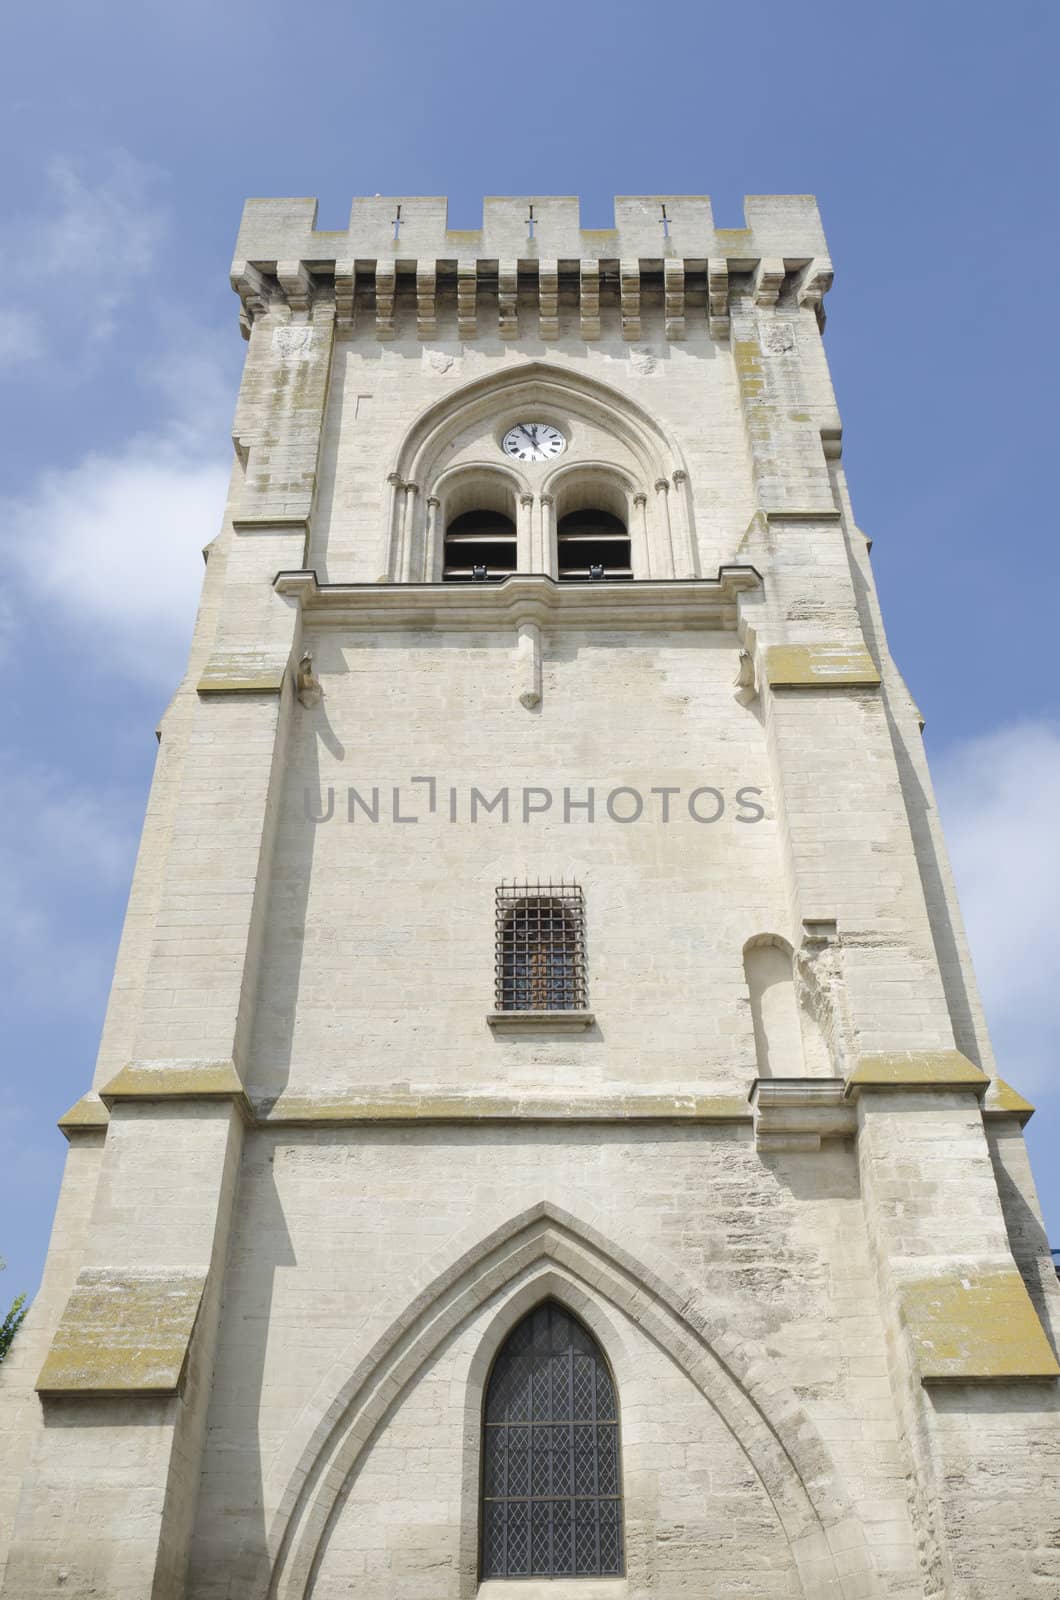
(776, 227)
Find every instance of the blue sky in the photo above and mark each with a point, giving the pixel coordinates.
(130, 135)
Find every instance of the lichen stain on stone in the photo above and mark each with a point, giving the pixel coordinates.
(976, 1325)
(123, 1332)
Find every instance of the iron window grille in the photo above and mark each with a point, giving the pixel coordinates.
(551, 1471)
(540, 947)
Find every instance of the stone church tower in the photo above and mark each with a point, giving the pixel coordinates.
(545, 1141)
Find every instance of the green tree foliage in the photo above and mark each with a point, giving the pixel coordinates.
(12, 1322)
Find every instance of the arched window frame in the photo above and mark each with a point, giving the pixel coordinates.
(659, 516)
(550, 1493)
(468, 487)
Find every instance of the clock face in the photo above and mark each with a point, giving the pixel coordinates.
(533, 441)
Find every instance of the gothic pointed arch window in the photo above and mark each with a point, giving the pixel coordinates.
(551, 1474)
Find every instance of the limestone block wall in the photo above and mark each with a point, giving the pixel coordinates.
(317, 1181)
(343, 1236)
(381, 934)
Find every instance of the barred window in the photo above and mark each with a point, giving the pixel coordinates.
(551, 1475)
(540, 932)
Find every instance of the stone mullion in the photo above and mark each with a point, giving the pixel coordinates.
(640, 513)
(665, 554)
(525, 537)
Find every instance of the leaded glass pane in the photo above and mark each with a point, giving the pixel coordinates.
(493, 1564)
(518, 1538)
(584, 1369)
(519, 1390)
(541, 1552)
(586, 1522)
(562, 1539)
(610, 1537)
(560, 1364)
(607, 1458)
(551, 1477)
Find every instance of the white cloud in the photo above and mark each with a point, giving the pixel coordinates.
(112, 542)
(1000, 801)
(71, 263)
(115, 543)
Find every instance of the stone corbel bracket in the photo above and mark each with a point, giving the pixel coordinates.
(767, 280)
(718, 298)
(467, 299)
(793, 1114)
(693, 291)
(508, 299)
(548, 299)
(385, 292)
(674, 298)
(629, 288)
(306, 682)
(745, 682)
(812, 284)
(529, 651)
(426, 309)
(589, 285)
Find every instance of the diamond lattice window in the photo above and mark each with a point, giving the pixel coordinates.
(551, 1483)
(540, 931)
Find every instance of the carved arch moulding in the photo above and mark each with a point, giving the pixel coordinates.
(546, 1250)
(455, 442)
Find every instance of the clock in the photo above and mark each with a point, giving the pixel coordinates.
(533, 441)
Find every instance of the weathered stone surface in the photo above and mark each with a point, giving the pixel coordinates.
(123, 1333)
(320, 1176)
(976, 1325)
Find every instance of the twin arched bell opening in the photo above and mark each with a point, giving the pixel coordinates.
(592, 546)
(480, 546)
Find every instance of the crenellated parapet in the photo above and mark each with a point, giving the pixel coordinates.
(531, 268)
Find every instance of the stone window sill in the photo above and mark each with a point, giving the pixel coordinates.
(553, 1589)
(519, 1022)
